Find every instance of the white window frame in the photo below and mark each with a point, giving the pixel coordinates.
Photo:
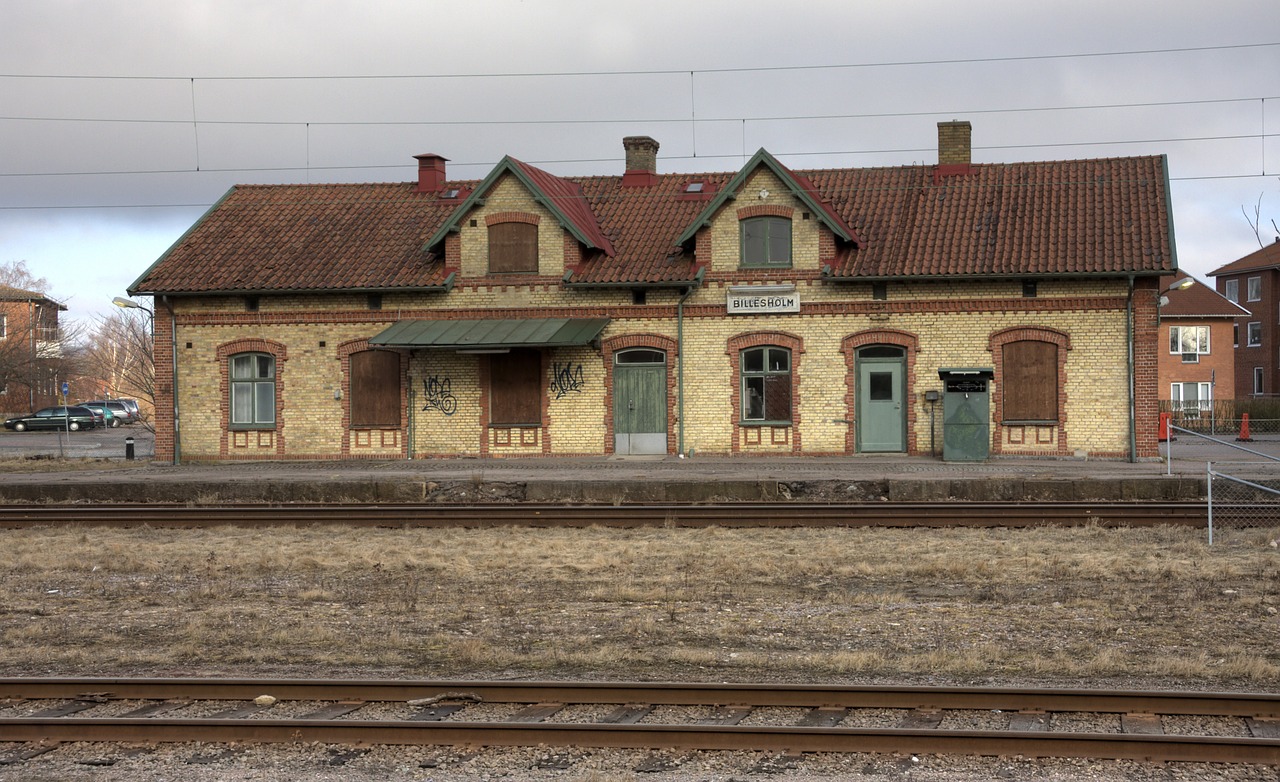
(1255, 288)
(1231, 290)
(4, 325)
(1255, 334)
(1257, 381)
(253, 391)
(1196, 338)
(1194, 407)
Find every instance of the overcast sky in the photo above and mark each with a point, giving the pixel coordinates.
(121, 122)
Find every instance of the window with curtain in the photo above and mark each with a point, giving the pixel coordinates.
(253, 390)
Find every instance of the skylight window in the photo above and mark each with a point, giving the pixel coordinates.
(453, 193)
(694, 187)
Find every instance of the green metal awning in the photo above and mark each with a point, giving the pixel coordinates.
(497, 334)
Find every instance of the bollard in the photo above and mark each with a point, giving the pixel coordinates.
(128, 448)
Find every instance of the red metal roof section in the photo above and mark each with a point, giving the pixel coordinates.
(568, 197)
(1266, 258)
(1027, 219)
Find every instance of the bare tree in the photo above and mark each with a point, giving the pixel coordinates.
(118, 355)
(15, 274)
(1255, 222)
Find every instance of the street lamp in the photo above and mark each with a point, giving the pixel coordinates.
(130, 304)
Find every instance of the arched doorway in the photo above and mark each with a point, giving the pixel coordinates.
(881, 403)
(640, 401)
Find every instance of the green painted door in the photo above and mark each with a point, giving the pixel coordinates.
(881, 415)
(640, 402)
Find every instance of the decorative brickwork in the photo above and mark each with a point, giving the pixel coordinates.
(512, 217)
(734, 348)
(239, 444)
(384, 442)
(1054, 440)
(765, 210)
(667, 345)
(849, 347)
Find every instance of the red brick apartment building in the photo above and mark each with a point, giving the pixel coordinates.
(1197, 347)
(29, 349)
(1253, 282)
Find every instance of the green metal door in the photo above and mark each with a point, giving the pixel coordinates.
(881, 415)
(640, 402)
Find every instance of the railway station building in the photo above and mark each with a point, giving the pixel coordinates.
(996, 309)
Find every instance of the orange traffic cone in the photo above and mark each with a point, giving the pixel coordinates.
(1244, 430)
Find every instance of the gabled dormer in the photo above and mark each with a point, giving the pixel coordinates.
(766, 218)
(520, 220)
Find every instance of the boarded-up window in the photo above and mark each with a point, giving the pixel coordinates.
(513, 247)
(1030, 381)
(375, 388)
(515, 388)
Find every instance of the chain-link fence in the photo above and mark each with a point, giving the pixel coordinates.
(1243, 511)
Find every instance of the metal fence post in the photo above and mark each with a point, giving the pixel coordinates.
(1209, 491)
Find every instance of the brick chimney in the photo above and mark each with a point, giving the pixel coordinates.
(954, 148)
(642, 161)
(431, 175)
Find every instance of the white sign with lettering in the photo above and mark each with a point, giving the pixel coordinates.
(763, 300)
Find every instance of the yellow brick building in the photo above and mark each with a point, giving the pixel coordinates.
(963, 310)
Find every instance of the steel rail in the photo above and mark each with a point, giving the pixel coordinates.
(1262, 705)
(792, 738)
(775, 514)
(707, 737)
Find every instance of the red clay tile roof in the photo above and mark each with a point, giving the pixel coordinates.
(1266, 258)
(1084, 217)
(1088, 217)
(1198, 301)
(306, 238)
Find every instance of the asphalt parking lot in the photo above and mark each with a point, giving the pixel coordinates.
(91, 444)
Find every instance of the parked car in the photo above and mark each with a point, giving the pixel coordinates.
(102, 415)
(119, 409)
(72, 417)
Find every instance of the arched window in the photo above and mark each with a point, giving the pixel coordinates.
(766, 385)
(253, 390)
(766, 241)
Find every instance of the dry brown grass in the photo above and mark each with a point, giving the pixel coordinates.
(947, 606)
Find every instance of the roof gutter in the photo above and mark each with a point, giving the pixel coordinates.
(444, 287)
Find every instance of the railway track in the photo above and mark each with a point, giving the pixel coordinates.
(37, 714)
(766, 514)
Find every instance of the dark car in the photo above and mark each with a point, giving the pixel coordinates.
(120, 412)
(102, 416)
(73, 418)
(124, 410)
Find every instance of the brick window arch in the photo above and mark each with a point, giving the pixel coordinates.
(609, 348)
(513, 243)
(374, 381)
(252, 383)
(910, 344)
(755, 377)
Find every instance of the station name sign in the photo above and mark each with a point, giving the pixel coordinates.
(762, 299)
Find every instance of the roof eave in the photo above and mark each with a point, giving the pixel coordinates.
(444, 287)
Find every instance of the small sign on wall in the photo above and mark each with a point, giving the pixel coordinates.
(762, 300)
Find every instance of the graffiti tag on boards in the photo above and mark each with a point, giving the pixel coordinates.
(439, 395)
(566, 378)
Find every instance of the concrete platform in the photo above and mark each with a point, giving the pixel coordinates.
(651, 479)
